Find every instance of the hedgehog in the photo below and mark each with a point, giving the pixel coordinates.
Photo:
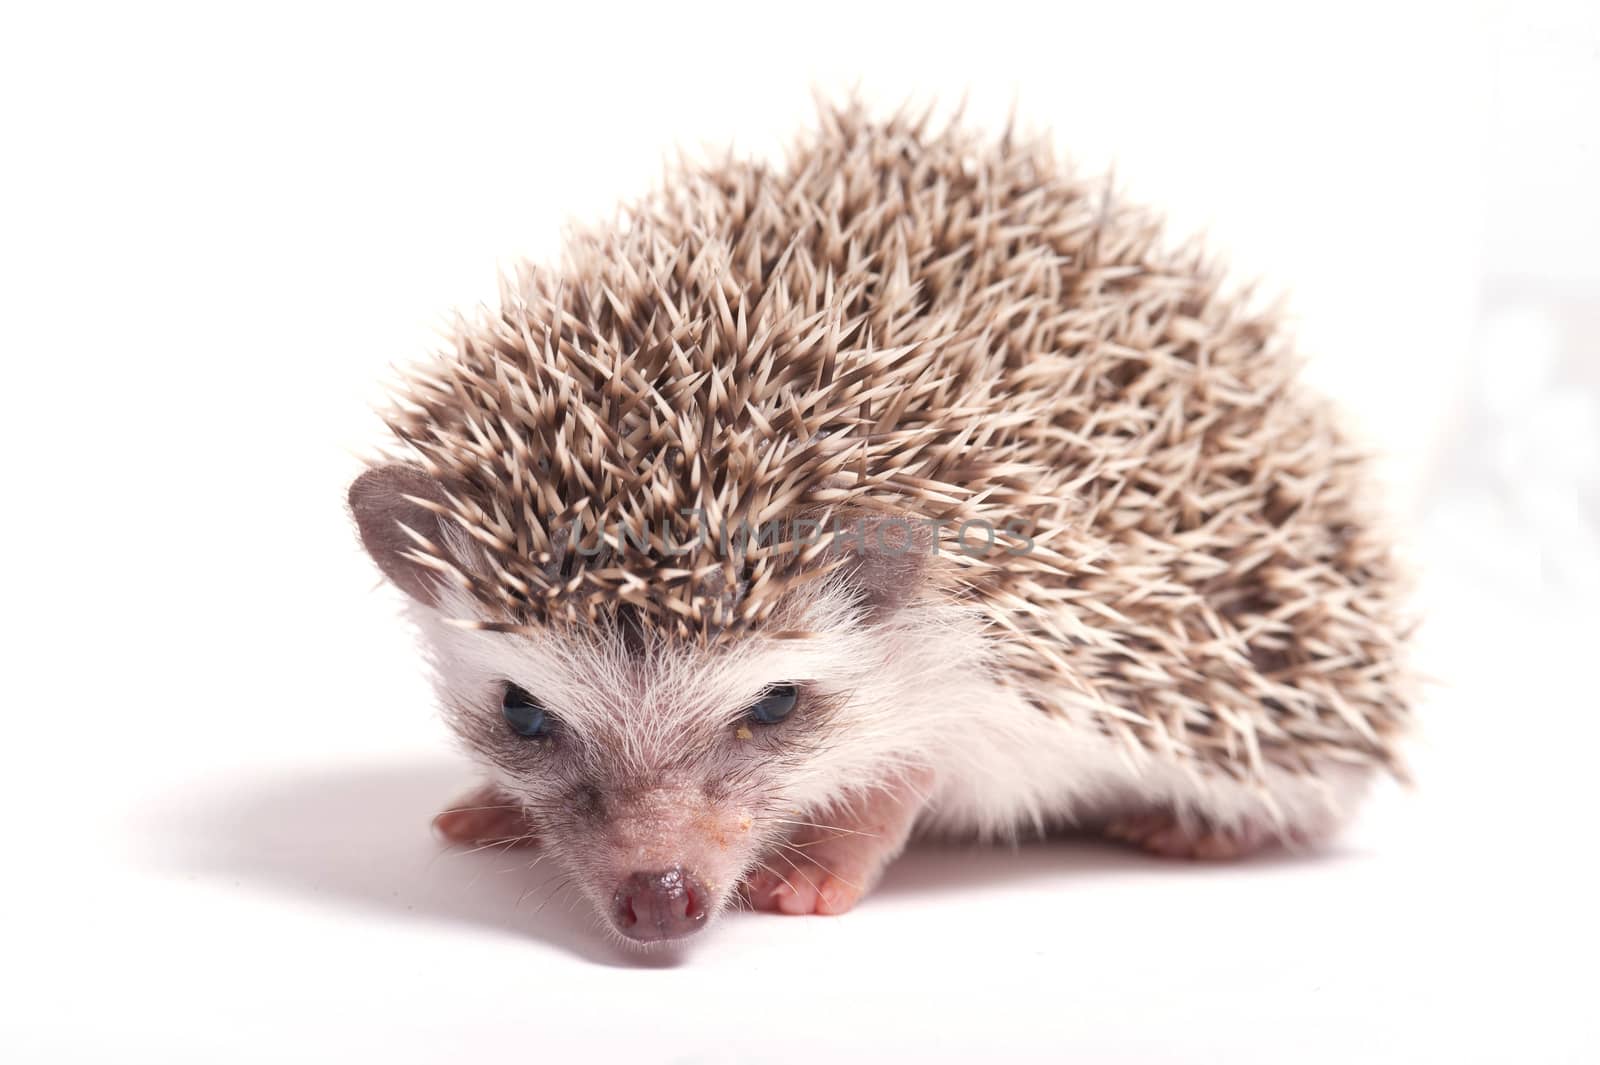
(913, 484)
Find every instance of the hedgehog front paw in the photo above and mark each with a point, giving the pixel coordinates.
(827, 866)
(1164, 833)
(484, 817)
(829, 881)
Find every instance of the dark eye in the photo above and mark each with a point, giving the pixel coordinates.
(774, 705)
(525, 714)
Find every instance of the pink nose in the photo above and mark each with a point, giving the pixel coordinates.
(655, 906)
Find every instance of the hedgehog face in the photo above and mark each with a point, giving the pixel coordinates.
(660, 770)
(660, 773)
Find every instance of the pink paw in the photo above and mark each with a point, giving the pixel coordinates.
(826, 868)
(802, 888)
(485, 816)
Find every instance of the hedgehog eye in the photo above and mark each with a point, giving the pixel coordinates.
(774, 705)
(525, 714)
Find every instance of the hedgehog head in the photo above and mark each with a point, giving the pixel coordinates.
(642, 750)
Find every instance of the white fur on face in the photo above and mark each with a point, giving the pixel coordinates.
(657, 738)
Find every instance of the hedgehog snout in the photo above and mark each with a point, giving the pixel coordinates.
(667, 904)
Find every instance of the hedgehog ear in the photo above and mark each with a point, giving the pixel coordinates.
(885, 561)
(382, 500)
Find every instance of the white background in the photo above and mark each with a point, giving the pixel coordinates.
(218, 754)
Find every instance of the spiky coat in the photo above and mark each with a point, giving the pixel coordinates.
(955, 328)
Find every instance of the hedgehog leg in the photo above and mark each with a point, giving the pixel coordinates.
(1165, 833)
(1219, 820)
(484, 816)
(829, 866)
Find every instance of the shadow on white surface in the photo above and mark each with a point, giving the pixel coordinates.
(358, 837)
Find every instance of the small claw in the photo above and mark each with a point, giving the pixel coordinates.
(836, 897)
